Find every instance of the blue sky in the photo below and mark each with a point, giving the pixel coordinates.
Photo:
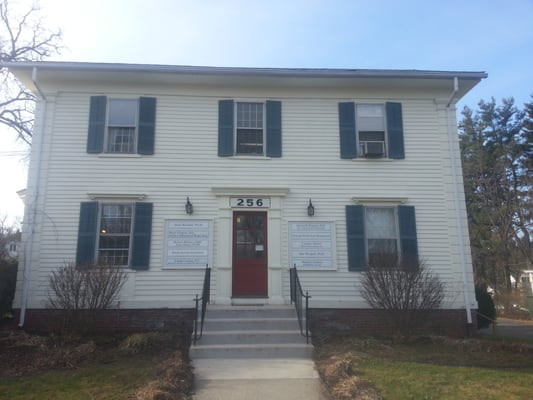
(475, 35)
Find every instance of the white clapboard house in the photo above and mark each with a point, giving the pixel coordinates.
(166, 169)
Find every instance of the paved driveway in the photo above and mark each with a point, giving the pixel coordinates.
(512, 328)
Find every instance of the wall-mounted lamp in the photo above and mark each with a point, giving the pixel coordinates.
(188, 207)
(310, 209)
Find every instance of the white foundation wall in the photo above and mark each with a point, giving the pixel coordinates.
(186, 163)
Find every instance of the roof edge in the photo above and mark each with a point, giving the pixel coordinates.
(246, 71)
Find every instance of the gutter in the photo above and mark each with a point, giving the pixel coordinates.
(61, 66)
(457, 201)
(32, 209)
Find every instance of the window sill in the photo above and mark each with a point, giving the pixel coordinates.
(241, 157)
(373, 159)
(119, 155)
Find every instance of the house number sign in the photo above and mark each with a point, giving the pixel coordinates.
(249, 202)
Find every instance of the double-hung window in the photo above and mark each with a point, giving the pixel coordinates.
(381, 232)
(121, 126)
(370, 124)
(376, 233)
(371, 130)
(249, 128)
(115, 233)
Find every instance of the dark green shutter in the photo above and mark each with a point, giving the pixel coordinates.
(347, 130)
(146, 139)
(142, 234)
(355, 233)
(86, 248)
(225, 128)
(395, 130)
(97, 121)
(408, 241)
(273, 128)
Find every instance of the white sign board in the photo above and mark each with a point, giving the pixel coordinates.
(188, 243)
(312, 245)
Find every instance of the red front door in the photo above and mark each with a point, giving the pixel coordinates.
(250, 268)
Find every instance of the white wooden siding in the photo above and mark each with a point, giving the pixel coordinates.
(186, 163)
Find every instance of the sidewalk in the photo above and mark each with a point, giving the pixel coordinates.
(256, 379)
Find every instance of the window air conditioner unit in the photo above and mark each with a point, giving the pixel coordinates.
(373, 149)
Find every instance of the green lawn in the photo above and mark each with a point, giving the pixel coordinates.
(412, 380)
(433, 368)
(115, 381)
(141, 366)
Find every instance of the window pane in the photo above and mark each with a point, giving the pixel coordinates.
(250, 115)
(370, 110)
(370, 117)
(382, 246)
(249, 141)
(380, 223)
(115, 230)
(122, 113)
(121, 140)
(371, 136)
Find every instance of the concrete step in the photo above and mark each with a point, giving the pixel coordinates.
(250, 324)
(251, 337)
(214, 312)
(277, 351)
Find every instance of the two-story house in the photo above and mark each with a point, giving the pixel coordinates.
(164, 169)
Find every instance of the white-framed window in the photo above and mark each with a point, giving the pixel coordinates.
(371, 130)
(250, 129)
(114, 233)
(122, 117)
(382, 234)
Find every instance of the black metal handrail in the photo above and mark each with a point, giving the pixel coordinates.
(297, 297)
(205, 299)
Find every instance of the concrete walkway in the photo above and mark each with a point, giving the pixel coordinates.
(256, 379)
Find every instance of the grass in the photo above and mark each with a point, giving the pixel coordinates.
(427, 368)
(115, 381)
(143, 366)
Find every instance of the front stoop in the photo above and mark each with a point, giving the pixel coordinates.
(244, 332)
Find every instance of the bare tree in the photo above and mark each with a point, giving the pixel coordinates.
(23, 37)
(406, 291)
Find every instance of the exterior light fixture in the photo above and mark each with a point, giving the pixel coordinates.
(310, 209)
(188, 207)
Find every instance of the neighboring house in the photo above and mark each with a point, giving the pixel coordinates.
(11, 244)
(164, 169)
(526, 281)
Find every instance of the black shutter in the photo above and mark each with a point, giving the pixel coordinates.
(273, 128)
(347, 130)
(408, 241)
(142, 233)
(395, 130)
(86, 248)
(225, 128)
(97, 121)
(355, 233)
(146, 139)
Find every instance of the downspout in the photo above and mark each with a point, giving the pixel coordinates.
(32, 209)
(451, 132)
